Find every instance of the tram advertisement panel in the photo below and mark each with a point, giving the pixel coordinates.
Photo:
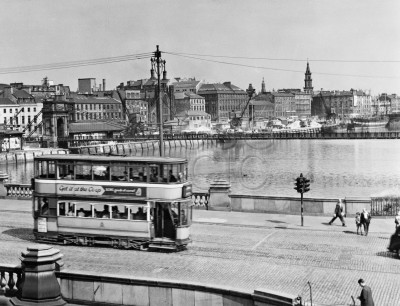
(97, 190)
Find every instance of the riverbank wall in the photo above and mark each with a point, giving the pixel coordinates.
(130, 148)
(292, 205)
(22, 156)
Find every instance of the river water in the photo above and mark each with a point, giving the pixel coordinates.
(336, 168)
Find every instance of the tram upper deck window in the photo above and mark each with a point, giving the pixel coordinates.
(182, 174)
(100, 171)
(83, 171)
(66, 171)
(136, 173)
(156, 175)
(119, 172)
(172, 173)
(45, 169)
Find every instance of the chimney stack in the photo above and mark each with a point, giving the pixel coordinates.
(104, 84)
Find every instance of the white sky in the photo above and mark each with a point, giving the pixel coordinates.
(35, 32)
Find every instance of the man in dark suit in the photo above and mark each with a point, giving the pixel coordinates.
(366, 294)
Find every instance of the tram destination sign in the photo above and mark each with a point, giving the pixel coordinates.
(98, 190)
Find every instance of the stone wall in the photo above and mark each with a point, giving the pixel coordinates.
(91, 289)
(291, 205)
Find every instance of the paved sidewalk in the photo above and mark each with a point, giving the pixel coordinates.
(378, 224)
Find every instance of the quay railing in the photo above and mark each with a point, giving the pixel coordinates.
(285, 134)
(385, 206)
(10, 279)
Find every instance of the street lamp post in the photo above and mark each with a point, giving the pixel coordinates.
(250, 92)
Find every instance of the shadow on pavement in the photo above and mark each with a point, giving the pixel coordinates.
(275, 221)
(350, 232)
(21, 233)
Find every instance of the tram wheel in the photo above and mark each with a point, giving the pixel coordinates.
(398, 253)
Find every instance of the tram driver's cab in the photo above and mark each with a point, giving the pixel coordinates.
(171, 222)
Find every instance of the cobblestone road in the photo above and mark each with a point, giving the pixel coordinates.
(242, 257)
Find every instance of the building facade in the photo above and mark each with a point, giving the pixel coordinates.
(341, 104)
(223, 100)
(187, 85)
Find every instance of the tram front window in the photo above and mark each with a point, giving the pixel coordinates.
(185, 216)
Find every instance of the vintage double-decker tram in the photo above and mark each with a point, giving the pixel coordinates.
(127, 202)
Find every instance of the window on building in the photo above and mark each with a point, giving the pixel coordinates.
(34, 109)
(4, 111)
(10, 110)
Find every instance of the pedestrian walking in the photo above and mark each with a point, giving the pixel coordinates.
(365, 220)
(358, 223)
(397, 220)
(338, 213)
(366, 294)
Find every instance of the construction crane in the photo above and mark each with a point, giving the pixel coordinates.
(328, 110)
(14, 117)
(134, 126)
(34, 120)
(35, 129)
(236, 122)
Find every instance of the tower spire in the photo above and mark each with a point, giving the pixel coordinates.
(308, 88)
(263, 86)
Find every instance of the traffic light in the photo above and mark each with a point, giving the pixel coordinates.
(306, 186)
(299, 184)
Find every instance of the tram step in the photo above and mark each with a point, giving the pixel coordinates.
(153, 246)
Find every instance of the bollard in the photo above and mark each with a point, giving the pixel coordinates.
(39, 282)
(219, 192)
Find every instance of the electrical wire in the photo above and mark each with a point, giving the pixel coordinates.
(280, 69)
(71, 64)
(288, 59)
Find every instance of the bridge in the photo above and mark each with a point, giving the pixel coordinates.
(314, 134)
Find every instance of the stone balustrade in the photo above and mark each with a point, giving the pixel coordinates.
(201, 200)
(23, 191)
(10, 279)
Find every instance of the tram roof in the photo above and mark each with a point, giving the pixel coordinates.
(97, 158)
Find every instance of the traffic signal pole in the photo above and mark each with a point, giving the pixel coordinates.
(302, 185)
(302, 217)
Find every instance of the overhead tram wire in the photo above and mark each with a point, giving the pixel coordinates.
(71, 64)
(286, 59)
(281, 69)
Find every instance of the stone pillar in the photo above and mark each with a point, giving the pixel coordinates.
(219, 195)
(3, 180)
(39, 284)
